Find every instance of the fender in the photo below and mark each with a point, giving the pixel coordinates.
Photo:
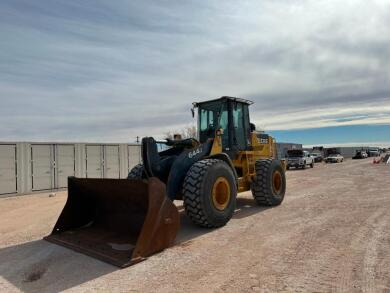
(181, 166)
(184, 162)
(224, 157)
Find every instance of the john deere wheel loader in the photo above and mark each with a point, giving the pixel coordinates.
(123, 221)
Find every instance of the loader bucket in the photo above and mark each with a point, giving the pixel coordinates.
(119, 221)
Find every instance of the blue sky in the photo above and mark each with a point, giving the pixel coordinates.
(318, 71)
(369, 135)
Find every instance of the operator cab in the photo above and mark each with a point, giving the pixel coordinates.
(232, 116)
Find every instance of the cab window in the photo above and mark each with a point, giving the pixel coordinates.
(212, 117)
(206, 119)
(240, 126)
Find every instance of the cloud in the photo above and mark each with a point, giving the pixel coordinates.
(110, 71)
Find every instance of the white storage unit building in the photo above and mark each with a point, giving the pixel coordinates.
(65, 164)
(111, 161)
(94, 161)
(134, 156)
(102, 161)
(51, 164)
(36, 167)
(8, 169)
(42, 171)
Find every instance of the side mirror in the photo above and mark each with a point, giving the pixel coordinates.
(253, 127)
(193, 112)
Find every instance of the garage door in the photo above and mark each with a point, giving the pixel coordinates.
(94, 157)
(111, 161)
(42, 167)
(65, 164)
(134, 155)
(8, 169)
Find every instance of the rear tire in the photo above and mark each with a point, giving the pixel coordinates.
(209, 193)
(137, 172)
(264, 188)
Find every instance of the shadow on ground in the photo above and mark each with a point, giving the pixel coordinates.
(38, 265)
(245, 207)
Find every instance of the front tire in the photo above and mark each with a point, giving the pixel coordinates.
(269, 185)
(312, 165)
(137, 172)
(209, 193)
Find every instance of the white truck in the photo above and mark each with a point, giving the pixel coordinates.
(299, 159)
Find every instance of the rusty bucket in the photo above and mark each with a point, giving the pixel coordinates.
(119, 221)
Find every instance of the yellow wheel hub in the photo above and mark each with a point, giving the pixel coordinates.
(221, 193)
(277, 182)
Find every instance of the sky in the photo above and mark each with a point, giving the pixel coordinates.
(109, 71)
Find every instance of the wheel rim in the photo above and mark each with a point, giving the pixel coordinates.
(277, 182)
(221, 193)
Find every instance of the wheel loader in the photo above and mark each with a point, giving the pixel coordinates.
(123, 221)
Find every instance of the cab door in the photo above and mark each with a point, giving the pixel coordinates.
(241, 126)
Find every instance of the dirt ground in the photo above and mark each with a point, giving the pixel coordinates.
(332, 233)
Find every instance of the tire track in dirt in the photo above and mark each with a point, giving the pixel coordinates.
(353, 254)
(371, 254)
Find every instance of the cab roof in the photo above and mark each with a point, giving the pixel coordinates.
(224, 99)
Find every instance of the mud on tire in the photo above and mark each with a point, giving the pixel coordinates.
(198, 193)
(268, 187)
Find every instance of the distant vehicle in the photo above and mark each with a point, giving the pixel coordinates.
(360, 155)
(334, 158)
(299, 159)
(374, 153)
(317, 157)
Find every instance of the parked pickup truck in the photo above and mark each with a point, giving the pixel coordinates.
(360, 155)
(299, 159)
(374, 153)
(334, 158)
(317, 157)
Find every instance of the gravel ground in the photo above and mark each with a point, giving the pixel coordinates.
(332, 233)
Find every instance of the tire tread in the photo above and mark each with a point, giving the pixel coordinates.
(192, 188)
(261, 190)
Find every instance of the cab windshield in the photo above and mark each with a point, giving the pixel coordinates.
(213, 116)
